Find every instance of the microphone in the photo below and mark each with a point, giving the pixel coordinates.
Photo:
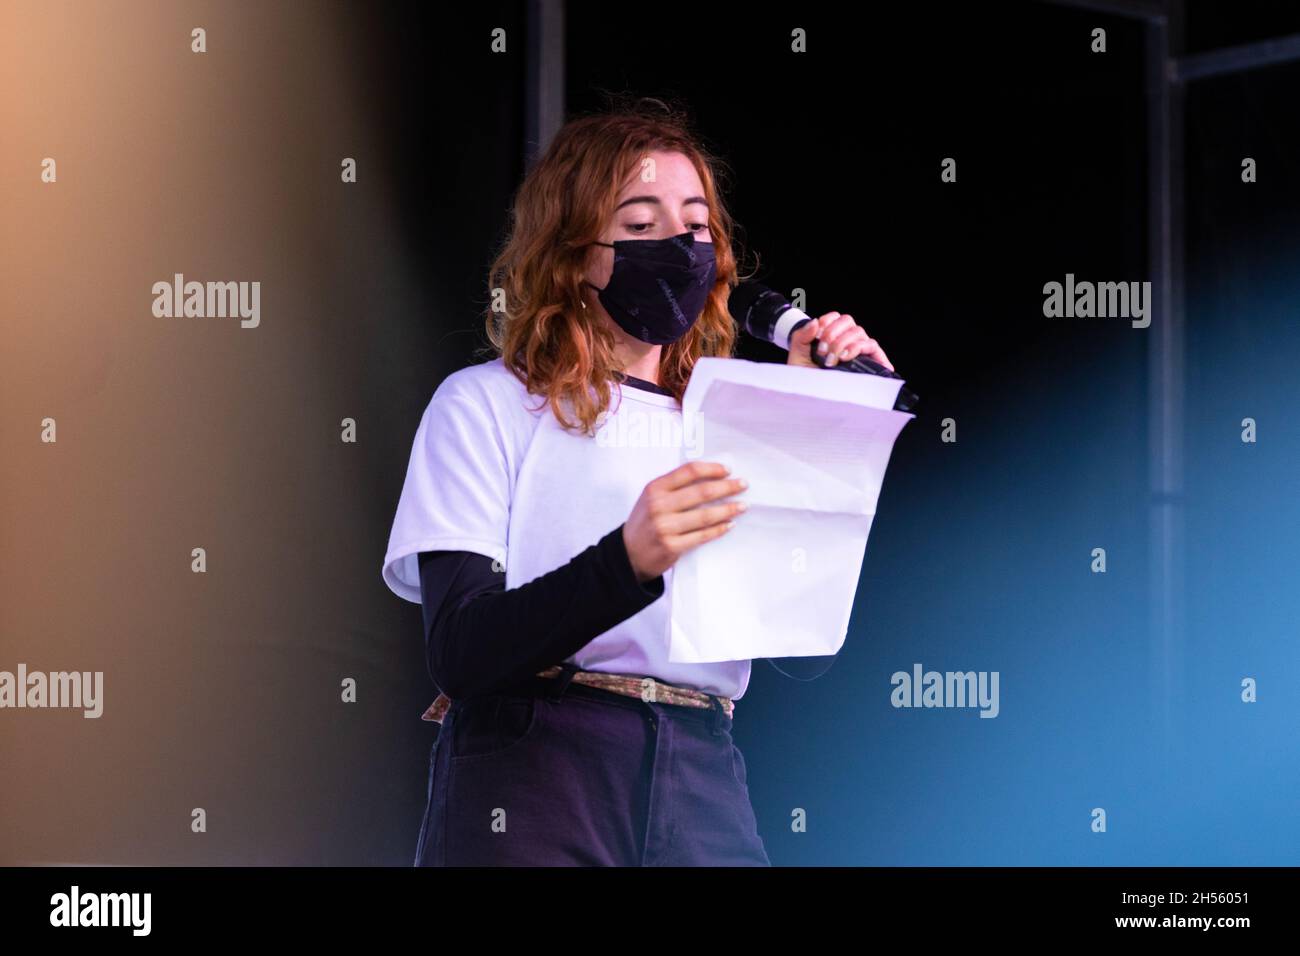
(769, 316)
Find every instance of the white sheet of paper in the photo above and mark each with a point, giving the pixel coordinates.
(813, 445)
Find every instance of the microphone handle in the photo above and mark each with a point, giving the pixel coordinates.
(906, 400)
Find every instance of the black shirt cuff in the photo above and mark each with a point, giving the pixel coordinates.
(614, 555)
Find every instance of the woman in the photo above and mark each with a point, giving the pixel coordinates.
(567, 735)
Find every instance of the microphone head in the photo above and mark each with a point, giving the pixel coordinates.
(742, 299)
(759, 311)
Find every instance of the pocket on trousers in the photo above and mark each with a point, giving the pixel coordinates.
(492, 724)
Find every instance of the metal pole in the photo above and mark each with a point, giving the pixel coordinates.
(1168, 70)
(1235, 59)
(543, 77)
(1166, 389)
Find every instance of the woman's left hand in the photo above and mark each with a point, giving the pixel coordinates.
(840, 339)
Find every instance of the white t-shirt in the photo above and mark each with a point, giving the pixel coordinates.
(490, 475)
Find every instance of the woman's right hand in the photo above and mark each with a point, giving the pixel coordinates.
(667, 520)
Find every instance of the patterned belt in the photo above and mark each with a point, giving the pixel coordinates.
(645, 688)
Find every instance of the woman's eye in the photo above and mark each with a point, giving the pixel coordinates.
(642, 227)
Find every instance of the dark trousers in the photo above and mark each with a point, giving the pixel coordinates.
(557, 773)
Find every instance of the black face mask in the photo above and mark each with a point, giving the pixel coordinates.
(658, 287)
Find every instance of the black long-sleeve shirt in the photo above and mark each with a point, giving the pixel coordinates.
(480, 636)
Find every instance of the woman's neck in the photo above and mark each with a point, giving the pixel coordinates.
(636, 358)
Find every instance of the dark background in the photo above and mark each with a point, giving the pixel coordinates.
(979, 554)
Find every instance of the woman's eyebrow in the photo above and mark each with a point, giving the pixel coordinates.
(656, 201)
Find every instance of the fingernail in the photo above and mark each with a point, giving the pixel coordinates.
(844, 353)
(743, 483)
(822, 348)
(830, 360)
(741, 506)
